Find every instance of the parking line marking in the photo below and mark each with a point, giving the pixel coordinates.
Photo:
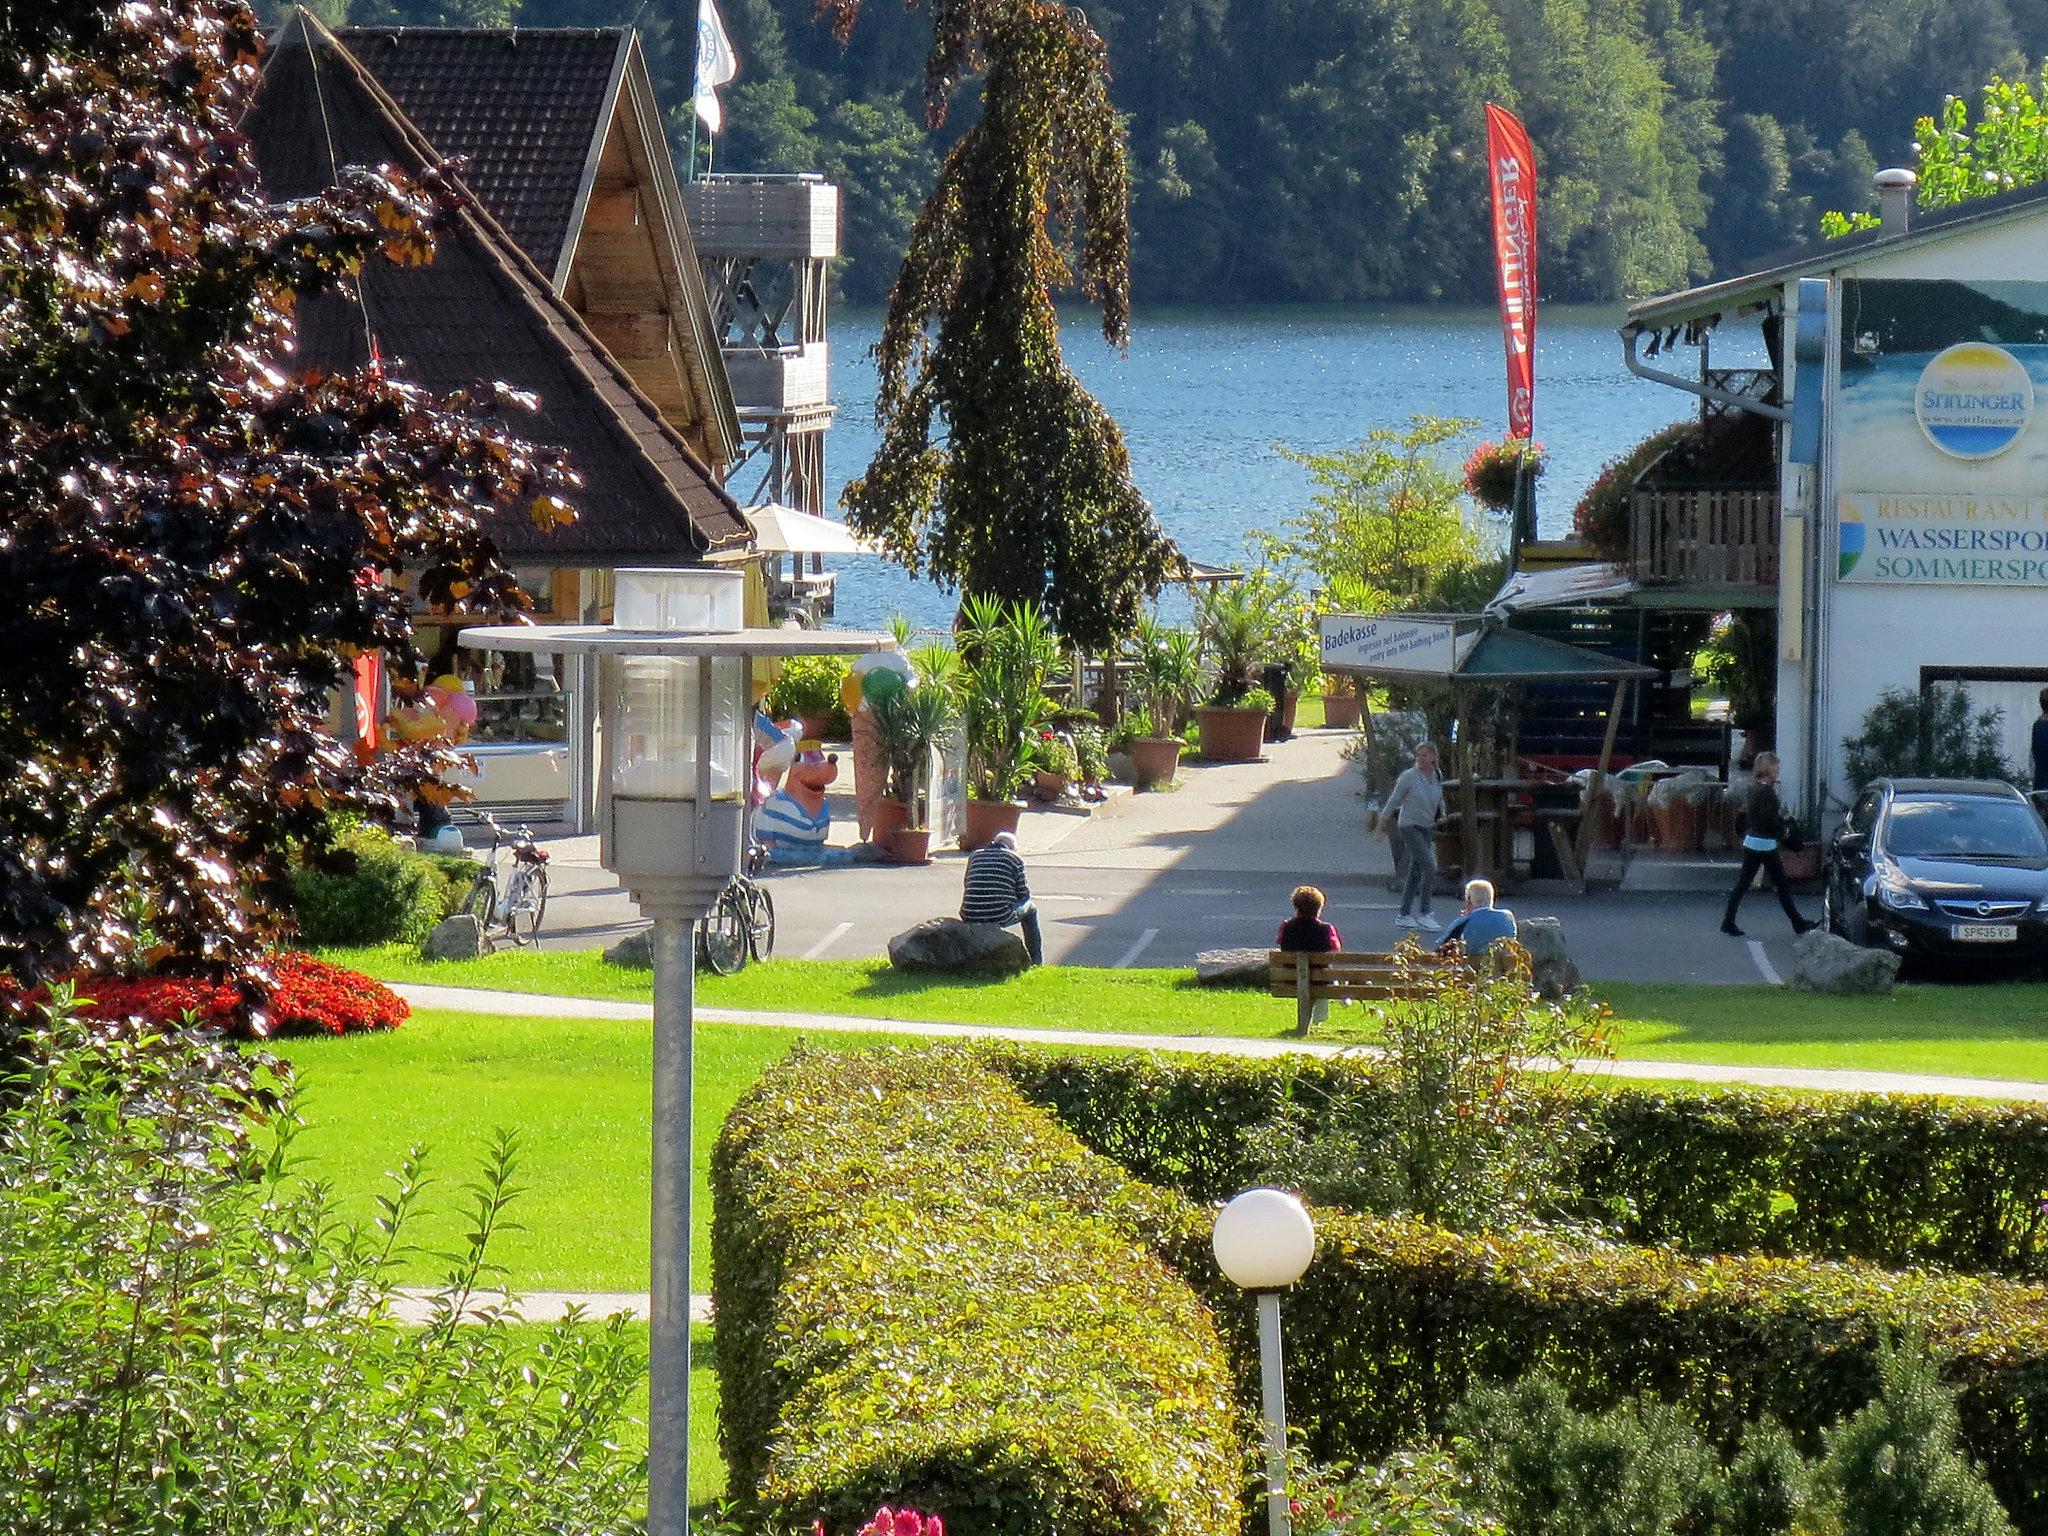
(1763, 963)
(828, 941)
(1123, 961)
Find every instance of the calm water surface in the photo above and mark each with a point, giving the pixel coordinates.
(1204, 395)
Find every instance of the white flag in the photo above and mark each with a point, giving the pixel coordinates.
(716, 63)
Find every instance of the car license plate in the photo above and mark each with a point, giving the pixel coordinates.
(1986, 933)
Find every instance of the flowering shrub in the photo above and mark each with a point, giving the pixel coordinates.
(309, 997)
(893, 1522)
(1493, 468)
(1601, 519)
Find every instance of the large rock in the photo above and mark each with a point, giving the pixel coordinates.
(460, 937)
(635, 950)
(948, 945)
(1551, 970)
(1822, 962)
(1232, 967)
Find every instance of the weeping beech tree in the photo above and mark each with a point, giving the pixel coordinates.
(997, 472)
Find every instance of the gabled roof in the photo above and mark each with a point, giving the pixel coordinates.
(482, 310)
(1731, 294)
(527, 110)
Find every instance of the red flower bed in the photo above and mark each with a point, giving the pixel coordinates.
(310, 997)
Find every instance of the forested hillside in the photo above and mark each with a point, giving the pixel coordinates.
(1333, 149)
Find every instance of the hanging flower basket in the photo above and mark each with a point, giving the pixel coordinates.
(1493, 469)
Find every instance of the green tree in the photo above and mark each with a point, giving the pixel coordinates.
(997, 472)
(1387, 519)
(182, 581)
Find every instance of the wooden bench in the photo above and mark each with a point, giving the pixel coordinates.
(1348, 975)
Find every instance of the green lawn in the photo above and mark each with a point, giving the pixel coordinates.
(575, 1091)
(1987, 1031)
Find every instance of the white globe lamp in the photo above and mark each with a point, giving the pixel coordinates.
(1264, 1241)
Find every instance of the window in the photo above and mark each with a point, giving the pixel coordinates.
(1963, 827)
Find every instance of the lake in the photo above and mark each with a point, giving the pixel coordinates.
(1205, 394)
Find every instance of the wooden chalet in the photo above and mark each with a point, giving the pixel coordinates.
(574, 242)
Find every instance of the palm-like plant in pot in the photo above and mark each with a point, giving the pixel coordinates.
(1167, 677)
(909, 723)
(1239, 623)
(1009, 650)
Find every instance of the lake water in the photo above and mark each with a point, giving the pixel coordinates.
(1205, 394)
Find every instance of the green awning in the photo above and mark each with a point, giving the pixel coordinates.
(1509, 656)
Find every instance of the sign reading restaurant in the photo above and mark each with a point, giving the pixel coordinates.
(1950, 540)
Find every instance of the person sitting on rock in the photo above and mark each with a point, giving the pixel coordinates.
(1481, 926)
(997, 892)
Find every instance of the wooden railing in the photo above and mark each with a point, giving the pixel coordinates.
(1705, 538)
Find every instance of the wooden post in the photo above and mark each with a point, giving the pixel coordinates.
(1468, 794)
(1598, 782)
(1304, 1005)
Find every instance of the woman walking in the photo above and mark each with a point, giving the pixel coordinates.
(1410, 815)
(1760, 847)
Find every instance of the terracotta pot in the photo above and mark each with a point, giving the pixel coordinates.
(985, 818)
(891, 817)
(1231, 735)
(1678, 826)
(1050, 785)
(1154, 758)
(911, 845)
(1288, 704)
(1340, 711)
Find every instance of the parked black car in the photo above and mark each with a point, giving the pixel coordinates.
(1941, 867)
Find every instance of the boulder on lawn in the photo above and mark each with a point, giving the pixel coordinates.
(460, 937)
(1824, 962)
(1232, 967)
(1551, 970)
(635, 950)
(947, 945)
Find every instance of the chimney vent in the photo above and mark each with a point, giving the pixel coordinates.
(1895, 189)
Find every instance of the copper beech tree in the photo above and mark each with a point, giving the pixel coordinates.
(997, 472)
(195, 544)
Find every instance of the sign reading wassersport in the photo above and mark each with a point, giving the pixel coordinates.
(1973, 400)
(1977, 541)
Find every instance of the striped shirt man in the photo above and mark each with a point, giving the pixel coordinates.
(996, 886)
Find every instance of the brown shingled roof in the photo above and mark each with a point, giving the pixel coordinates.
(523, 110)
(482, 310)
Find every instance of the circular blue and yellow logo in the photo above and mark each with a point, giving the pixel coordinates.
(1974, 400)
(1848, 540)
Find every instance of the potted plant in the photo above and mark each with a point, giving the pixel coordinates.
(1091, 759)
(1494, 471)
(1007, 651)
(1239, 623)
(1053, 765)
(1166, 677)
(1340, 702)
(808, 689)
(909, 723)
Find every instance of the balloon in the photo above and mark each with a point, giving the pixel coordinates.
(461, 708)
(881, 684)
(447, 682)
(884, 661)
(849, 693)
(438, 698)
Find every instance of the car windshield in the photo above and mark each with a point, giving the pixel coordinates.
(1965, 827)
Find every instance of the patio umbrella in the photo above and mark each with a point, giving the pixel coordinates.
(781, 530)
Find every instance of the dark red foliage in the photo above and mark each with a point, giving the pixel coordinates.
(194, 544)
(307, 997)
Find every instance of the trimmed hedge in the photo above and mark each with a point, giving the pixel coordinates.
(1888, 1180)
(1395, 1320)
(377, 893)
(930, 1294)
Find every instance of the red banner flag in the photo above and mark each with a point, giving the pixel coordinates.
(1511, 164)
(369, 697)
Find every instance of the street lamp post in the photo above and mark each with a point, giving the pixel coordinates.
(674, 716)
(1263, 1242)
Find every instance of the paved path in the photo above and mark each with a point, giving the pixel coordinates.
(1830, 1080)
(414, 1305)
(1151, 879)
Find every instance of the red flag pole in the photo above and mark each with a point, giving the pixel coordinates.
(1511, 172)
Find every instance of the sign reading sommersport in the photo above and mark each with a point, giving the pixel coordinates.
(1948, 540)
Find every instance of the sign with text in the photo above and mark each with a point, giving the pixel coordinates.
(1393, 643)
(1511, 164)
(1989, 540)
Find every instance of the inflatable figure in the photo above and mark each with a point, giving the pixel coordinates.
(794, 822)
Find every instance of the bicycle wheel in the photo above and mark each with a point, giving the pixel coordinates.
(482, 904)
(529, 904)
(722, 937)
(761, 921)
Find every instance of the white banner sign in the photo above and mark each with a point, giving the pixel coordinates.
(1393, 643)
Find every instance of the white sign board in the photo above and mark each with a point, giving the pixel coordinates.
(1394, 643)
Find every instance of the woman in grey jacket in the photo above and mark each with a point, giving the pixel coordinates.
(1411, 814)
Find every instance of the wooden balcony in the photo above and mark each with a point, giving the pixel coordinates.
(1705, 538)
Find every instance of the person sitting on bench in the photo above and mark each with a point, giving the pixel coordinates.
(1306, 933)
(1481, 926)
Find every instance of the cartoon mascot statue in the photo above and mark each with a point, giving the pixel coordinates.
(792, 820)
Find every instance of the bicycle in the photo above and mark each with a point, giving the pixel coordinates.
(742, 921)
(518, 903)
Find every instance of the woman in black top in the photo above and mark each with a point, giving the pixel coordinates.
(1766, 823)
